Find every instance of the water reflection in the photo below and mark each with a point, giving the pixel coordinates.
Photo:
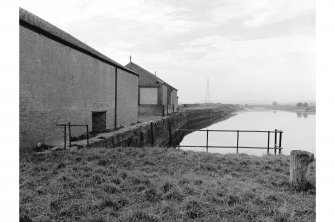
(303, 114)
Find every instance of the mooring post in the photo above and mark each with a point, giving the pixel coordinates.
(207, 141)
(238, 133)
(299, 164)
(268, 142)
(275, 141)
(64, 136)
(69, 134)
(87, 135)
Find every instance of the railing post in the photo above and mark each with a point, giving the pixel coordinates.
(152, 134)
(170, 134)
(207, 141)
(280, 138)
(87, 135)
(268, 142)
(69, 134)
(64, 136)
(238, 133)
(163, 110)
(275, 141)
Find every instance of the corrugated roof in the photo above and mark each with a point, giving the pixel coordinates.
(37, 24)
(146, 78)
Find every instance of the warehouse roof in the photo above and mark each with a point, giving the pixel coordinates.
(146, 78)
(40, 26)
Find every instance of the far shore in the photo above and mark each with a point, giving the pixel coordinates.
(292, 108)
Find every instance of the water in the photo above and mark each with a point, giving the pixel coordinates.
(298, 128)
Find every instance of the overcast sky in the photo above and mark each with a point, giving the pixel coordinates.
(251, 50)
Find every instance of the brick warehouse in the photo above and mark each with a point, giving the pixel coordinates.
(64, 80)
(155, 95)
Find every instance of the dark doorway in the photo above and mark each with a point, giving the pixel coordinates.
(98, 121)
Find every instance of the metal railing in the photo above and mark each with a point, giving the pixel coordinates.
(277, 142)
(69, 125)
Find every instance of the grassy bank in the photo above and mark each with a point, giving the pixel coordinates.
(156, 184)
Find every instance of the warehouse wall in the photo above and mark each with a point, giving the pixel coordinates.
(174, 98)
(59, 84)
(127, 98)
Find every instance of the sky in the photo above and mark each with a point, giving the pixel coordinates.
(252, 51)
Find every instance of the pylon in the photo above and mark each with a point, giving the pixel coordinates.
(208, 95)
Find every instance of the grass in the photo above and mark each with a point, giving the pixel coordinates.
(156, 184)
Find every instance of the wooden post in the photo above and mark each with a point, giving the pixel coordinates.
(238, 133)
(268, 142)
(275, 141)
(207, 142)
(299, 163)
(70, 134)
(87, 135)
(280, 138)
(64, 136)
(170, 134)
(152, 134)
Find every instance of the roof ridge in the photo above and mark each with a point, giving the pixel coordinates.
(37, 24)
(153, 75)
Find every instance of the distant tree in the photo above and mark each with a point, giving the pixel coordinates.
(299, 104)
(274, 103)
(305, 104)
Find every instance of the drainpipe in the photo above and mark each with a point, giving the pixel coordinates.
(115, 113)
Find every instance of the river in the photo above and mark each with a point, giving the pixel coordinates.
(298, 132)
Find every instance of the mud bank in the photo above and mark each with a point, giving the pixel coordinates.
(164, 132)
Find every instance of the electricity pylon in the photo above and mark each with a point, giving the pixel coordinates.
(208, 94)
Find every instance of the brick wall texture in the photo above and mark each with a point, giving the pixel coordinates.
(150, 110)
(148, 96)
(164, 95)
(127, 98)
(59, 84)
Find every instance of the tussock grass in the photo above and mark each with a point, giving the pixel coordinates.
(155, 184)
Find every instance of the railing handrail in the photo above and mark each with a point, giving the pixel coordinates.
(245, 131)
(268, 148)
(243, 147)
(62, 124)
(69, 125)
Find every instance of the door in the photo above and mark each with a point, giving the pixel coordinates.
(98, 121)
